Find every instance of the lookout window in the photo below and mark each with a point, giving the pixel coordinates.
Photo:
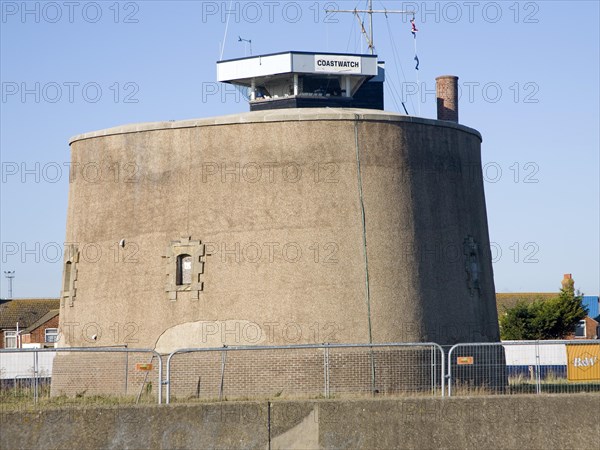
(184, 266)
(323, 86)
(184, 270)
(67, 279)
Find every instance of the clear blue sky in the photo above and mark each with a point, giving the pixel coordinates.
(529, 74)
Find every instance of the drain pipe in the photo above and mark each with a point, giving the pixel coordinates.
(364, 236)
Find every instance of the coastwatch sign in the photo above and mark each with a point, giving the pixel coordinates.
(337, 64)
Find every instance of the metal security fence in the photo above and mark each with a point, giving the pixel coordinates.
(28, 375)
(305, 370)
(524, 367)
(123, 375)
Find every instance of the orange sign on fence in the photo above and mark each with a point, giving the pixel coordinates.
(583, 362)
(146, 367)
(464, 360)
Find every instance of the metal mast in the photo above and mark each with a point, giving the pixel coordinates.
(10, 274)
(370, 12)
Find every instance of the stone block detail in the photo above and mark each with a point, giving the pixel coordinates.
(472, 264)
(197, 252)
(70, 275)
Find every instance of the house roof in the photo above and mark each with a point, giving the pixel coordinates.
(509, 300)
(26, 311)
(42, 320)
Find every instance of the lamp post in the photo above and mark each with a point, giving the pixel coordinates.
(10, 274)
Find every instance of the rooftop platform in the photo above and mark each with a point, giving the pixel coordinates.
(307, 80)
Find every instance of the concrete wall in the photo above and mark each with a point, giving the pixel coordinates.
(523, 422)
(279, 253)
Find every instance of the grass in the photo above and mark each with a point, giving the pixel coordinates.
(521, 384)
(17, 398)
(21, 397)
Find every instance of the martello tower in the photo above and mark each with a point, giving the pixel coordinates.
(305, 210)
(315, 217)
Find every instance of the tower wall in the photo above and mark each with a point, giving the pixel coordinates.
(270, 207)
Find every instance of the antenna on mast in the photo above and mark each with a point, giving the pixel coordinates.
(370, 12)
(246, 42)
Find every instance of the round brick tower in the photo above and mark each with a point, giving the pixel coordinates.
(278, 227)
(372, 225)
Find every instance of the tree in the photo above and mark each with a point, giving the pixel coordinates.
(516, 322)
(555, 318)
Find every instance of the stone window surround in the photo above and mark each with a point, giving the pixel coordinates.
(185, 246)
(70, 275)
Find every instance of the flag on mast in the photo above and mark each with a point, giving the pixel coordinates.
(413, 30)
(413, 27)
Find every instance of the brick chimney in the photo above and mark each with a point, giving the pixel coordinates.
(567, 279)
(446, 89)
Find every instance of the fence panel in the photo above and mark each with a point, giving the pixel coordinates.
(400, 369)
(28, 375)
(301, 371)
(524, 367)
(304, 371)
(238, 374)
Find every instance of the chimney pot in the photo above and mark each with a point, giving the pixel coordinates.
(446, 88)
(567, 279)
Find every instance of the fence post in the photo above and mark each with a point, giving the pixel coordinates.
(449, 375)
(443, 370)
(126, 369)
(223, 361)
(168, 380)
(35, 376)
(160, 381)
(538, 380)
(326, 370)
(433, 373)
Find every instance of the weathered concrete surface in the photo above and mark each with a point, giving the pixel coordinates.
(181, 427)
(276, 198)
(520, 422)
(300, 225)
